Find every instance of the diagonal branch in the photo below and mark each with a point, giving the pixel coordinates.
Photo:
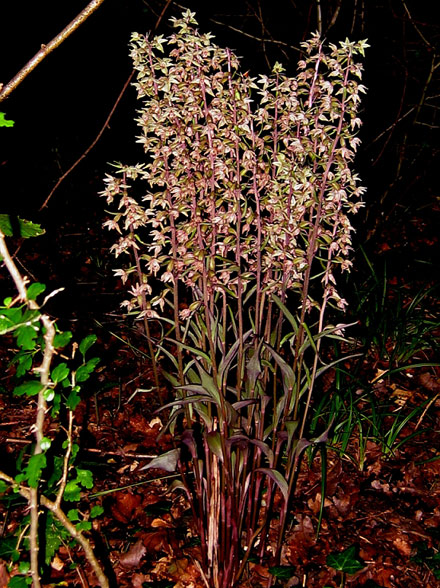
(46, 49)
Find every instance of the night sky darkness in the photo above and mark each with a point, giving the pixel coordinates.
(60, 107)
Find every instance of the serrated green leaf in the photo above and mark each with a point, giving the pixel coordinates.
(84, 371)
(283, 572)
(83, 526)
(73, 515)
(26, 336)
(19, 582)
(35, 290)
(72, 492)
(30, 388)
(24, 228)
(24, 363)
(60, 373)
(34, 468)
(86, 343)
(96, 511)
(85, 478)
(73, 399)
(4, 122)
(345, 561)
(62, 339)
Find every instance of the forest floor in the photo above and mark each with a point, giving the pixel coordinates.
(387, 506)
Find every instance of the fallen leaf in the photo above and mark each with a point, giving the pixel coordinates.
(157, 541)
(126, 504)
(403, 546)
(4, 576)
(132, 558)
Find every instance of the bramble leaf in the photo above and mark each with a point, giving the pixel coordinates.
(25, 228)
(84, 371)
(60, 373)
(34, 290)
(96, 511)
(34, 468)
(62, 339)
(26, 336)
(85, 478)
(30, 388)
(86, 343)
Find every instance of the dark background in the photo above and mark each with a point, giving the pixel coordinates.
(61, 106)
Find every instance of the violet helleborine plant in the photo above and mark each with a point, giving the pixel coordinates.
(234, 245)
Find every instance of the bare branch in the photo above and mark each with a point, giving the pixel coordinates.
(46, 49)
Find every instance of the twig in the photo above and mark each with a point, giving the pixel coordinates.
(68, 525)
(107, 120)
(20, 283)
(92, 144)
(427, 43)
(282, 43)
(46, 49)
(63, 481)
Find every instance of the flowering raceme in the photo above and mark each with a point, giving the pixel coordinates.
(244, 208)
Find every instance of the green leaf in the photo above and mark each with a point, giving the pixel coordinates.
(283, 572)
(55, 534)
(35, 290)
(84, 371)
(34, 468)
(214, 443)
(60, 373)
(24, 363)
(86, 343)
(23, 228)
(26, 336)
(345, 561)
(62, 339)
(20, 582)
(85, 478)
(286, 370)
(30, 388)
(3, 487)
(96, 511)
(45, 443)
(73, 399)
(72, 492)
(83, 526)
(10, 318)
(4, 122)
(73, 515)
(278, 478)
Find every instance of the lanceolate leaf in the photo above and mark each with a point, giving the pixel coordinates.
(279, 480)
(167, 461)
(288, 375)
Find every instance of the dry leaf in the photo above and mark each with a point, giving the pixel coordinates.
(132, 558)
(4, 576)
(126, 504)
